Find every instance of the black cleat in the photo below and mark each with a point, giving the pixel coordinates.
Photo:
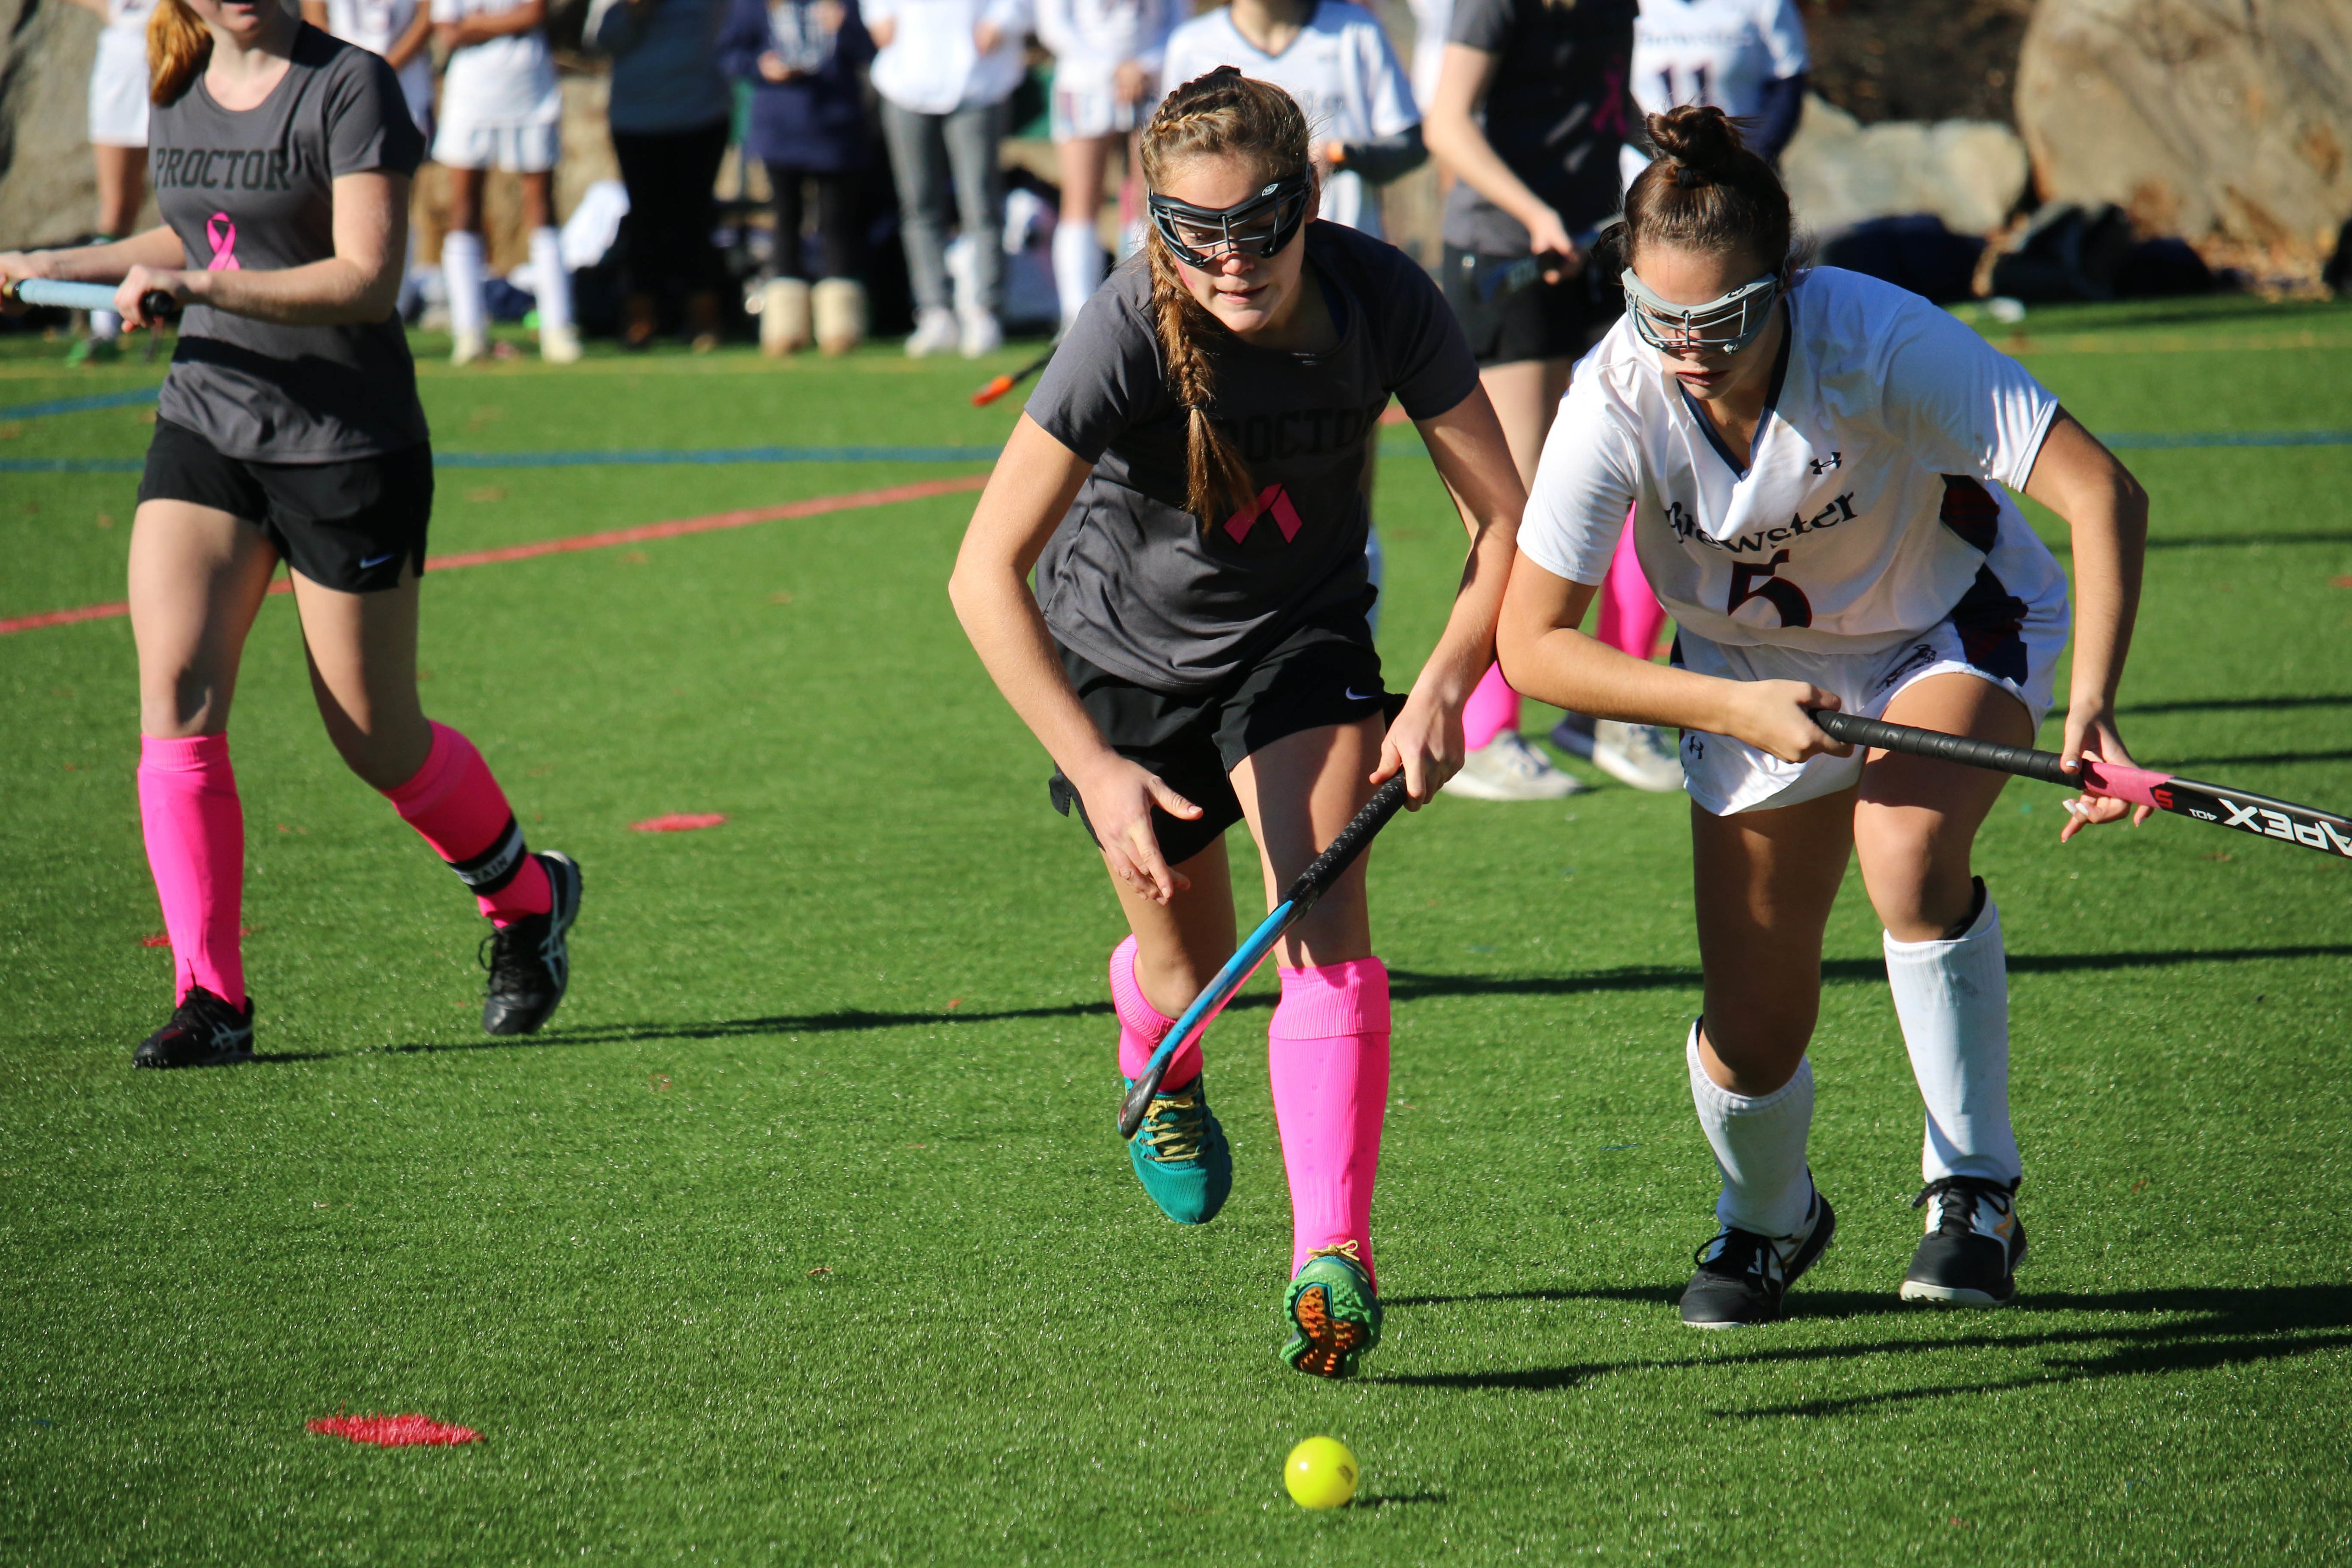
(529, 961)
(1743, 1277)
(204, 1032)
(1975, 1242)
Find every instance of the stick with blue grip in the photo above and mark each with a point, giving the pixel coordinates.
(1311, 885)
(159, 305)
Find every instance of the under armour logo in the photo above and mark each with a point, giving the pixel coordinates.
(1823, 464)
(1272, 500)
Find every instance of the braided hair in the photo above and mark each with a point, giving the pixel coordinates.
(1222, 114)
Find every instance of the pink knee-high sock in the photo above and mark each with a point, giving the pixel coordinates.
(194, 827)
(1328, 1055)
(1631, 616)
(1142, 1027)
(458, 807)
(1493, 708)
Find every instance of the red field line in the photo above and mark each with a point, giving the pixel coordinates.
(815, 506)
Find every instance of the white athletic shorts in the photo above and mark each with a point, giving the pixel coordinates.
(517, 149)
(1991, 634)
(118, 90)
(1078, 113)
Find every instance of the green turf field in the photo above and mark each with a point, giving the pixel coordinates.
(803, 1235)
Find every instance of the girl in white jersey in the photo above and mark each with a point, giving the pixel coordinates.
(1820, 467)
(1106, 80)
(117, 142)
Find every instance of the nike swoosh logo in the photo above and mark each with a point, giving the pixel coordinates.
(377, 561)
(1356, 696)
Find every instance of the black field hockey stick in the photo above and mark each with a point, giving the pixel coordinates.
(2218, 804)
(1311, 885)
(1011, 379)
(158, 305)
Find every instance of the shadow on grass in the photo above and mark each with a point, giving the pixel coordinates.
(1395, 1500)
(2251, 759)
(2230, 704)
(2206, 1327)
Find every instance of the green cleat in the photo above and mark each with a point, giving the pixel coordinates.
(1334, 1316)
(93, 351)
(1181, 1155)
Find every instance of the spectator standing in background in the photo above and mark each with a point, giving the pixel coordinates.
(1107, 80)
(118, 141)
(1334, 58)
(1747, 57)
(944, 69)
(808, 126)
(398, 30)
(669, 108)
(1431, 19)
(1529, 114)
(500, 108)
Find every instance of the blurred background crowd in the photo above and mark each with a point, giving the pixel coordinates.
(812, 173)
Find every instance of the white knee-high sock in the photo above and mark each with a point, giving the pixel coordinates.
(461, 270)
(1953, 999)
(554, 298)
(1760, 1144)
(1077, 267)
(105, 326)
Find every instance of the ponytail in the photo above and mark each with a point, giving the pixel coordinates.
(1222, 114)
(178, 47)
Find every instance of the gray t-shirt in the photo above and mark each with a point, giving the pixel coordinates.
(1557, 111)
(254, 189)
(1139, 585)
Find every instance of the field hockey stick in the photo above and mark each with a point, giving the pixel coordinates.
(1006, 382)
(1504, 280)
(2219, 803)
(1311, 885)
(159, 305)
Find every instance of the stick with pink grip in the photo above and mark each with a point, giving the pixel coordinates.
(2219, 803)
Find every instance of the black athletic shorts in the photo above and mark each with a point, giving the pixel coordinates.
(1540, 321)
(1325, 672)
(349, 525)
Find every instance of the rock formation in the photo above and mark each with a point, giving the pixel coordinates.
(1969, 173)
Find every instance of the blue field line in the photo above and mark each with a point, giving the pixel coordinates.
(137, 395)
(730, 455)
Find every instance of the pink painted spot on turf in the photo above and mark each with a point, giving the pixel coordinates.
(395, 1431)
(680, 822)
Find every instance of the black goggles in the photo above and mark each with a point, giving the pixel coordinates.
(1259, 226)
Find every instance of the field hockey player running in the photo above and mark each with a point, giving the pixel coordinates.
(1185, 482)
(1817, 463)
(289, 429)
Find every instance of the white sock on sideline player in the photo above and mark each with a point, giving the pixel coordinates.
(1077, 267)
(1953, 999)
(1760, 1145)
(554, 297)
(461, 271)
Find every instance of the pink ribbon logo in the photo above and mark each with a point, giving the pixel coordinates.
(1609, 119)
(220, 233)
(1274, 500)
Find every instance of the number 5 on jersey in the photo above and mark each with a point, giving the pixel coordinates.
(1758, 583)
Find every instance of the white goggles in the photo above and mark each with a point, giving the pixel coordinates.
(1722, 326)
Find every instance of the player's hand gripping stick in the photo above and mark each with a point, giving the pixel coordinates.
(2219, 803)
(159, 305)
(1311, 885)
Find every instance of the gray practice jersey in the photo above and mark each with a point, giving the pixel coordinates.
(254, 190)
(1139, 587)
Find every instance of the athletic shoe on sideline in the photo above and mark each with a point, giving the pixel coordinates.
(558, 345)
(529, 961)
(465, 348)
(936, 332)
(1334, 1316)
(979, 334)
(1180, 1155)
(1637, 755)
(1975, 1242)
(1507, 768)
(204, 1031)
(1573, 735)
(94, 350)
(1743, 1277)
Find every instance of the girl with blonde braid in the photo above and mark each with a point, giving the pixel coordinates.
(1185, 482)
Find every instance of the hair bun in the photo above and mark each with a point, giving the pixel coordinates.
(1700, 137)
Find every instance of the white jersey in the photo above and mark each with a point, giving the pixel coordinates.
(501, 82)
(129, 15)
(1873, 496)
(375, 26)
(1431, 19)
(1712, 51)
(1339, 67)
(1090, 39)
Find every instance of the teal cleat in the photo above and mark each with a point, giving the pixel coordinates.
(1181, 1155)
(1334, 1316)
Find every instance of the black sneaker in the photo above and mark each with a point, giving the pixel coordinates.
(204, 1032)
(1742, 1276)
(1975, 1242)
(530, 962)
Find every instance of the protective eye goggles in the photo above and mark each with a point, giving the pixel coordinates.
(1259, 226)
(1723, 325)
